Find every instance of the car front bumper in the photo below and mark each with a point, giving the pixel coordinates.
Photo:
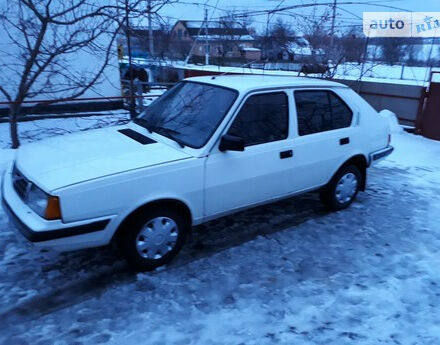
(52, 234)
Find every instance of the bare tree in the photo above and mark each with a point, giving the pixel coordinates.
(350, 45)
(58, 49)
(281, 32)
(314, 29)
(42, 39)
(228, 39)
(276, 38)
(412, 51)
(392, 50)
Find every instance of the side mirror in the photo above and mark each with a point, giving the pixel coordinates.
(231, 143)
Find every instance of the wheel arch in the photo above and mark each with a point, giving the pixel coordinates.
(168, 203)
(360, 161)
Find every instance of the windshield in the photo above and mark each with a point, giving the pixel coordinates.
(189, 113)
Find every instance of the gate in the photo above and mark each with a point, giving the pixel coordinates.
(430, 124)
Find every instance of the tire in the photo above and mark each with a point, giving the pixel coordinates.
(153, 238)
(342, 189)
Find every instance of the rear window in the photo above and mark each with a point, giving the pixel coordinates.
(320, 111)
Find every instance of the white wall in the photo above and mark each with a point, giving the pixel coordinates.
(81, 64)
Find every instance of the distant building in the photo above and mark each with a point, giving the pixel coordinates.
(140, 42)
(226, 39)
(295, 49)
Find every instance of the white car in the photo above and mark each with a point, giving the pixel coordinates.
(208, 147)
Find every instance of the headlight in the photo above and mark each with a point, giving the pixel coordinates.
(45, 205)
(37, 200)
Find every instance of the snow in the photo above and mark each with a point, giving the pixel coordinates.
(40, 129)
(240, 38)
(302, 49)
(393, 122)
(370, 72)
(196, 24)
(248, 49)
(349, 73)
(378, 72)
(419, 52)
(262, 81)
(285, 273)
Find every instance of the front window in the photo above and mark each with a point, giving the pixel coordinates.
(262, 119)
(188, 113)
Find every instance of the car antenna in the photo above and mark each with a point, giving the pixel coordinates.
(229, 72)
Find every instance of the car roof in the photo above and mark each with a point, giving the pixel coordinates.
(244, 83)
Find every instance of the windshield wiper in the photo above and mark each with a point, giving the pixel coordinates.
(144, 123)
(170, 133)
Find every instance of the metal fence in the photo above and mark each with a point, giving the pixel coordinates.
(406, 101)
(143, 94)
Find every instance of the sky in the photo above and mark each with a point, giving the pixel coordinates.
(347, 14)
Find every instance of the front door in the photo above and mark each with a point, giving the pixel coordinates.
(261, 172)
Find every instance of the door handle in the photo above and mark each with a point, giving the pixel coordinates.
(286, 154)
(344, 141)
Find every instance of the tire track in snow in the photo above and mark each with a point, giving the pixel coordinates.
(206, 240)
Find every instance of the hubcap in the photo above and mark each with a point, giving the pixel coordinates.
(346, 188)
(157, 238)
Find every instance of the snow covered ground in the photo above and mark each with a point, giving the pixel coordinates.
(287, 273)
(377, 72)
(370, 71)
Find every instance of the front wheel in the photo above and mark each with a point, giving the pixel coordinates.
(340, 192)
(153, 238)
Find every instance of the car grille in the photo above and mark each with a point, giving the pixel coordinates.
(21, 184)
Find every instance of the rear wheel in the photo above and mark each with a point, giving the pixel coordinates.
(153, 238)
(340, 192)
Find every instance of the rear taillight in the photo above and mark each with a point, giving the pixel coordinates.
(389, 139)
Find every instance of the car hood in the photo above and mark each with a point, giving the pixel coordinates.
(64, 160)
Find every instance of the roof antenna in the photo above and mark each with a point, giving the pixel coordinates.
(229, 72)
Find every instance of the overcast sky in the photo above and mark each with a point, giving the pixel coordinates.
(346, 15)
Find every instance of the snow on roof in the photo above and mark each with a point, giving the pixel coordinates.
(296, 48)
(244, 83)
(196, 24)
(223, 37)
(193, 24)
(436, 75)
(251, 49)
(224, 28)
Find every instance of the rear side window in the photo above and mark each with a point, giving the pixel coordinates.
(320, 111)
(263, 118)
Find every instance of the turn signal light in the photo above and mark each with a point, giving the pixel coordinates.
(53, 210)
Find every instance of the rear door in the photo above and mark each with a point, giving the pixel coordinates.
(324, 135)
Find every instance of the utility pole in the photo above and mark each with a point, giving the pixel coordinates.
(332, 32)
(150, 30)
(266, 37)
(130, 66)
(206, 38)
